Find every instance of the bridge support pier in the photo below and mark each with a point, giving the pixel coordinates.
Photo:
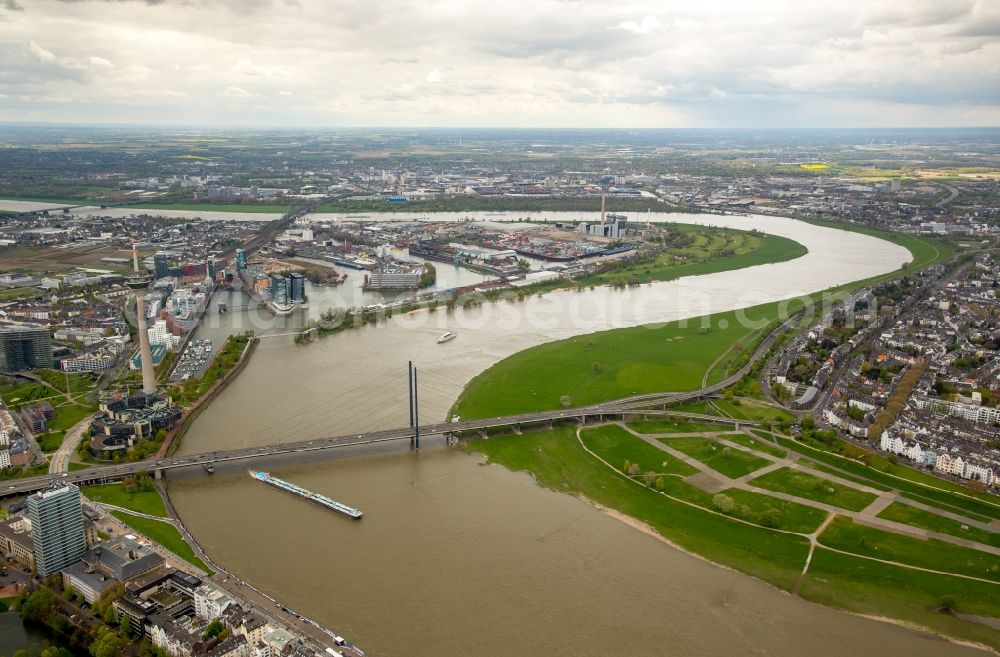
(158, 474)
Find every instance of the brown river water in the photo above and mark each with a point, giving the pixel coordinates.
(458, 559)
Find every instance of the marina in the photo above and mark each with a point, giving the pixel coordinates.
(322, 500)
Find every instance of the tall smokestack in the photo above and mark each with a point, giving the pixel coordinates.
(602, 207)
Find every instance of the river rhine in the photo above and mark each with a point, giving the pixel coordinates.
(455, 559)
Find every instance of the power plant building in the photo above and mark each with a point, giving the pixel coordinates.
(615, 226)
(25, 348)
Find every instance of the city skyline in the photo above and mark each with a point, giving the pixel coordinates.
(547, 64)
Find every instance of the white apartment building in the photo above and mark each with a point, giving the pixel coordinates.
(979, 472)
(970, 412)
(210, 602)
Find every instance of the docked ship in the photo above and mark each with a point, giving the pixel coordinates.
(322, 500)
(547, 255)
(429, 253)
(352, 261)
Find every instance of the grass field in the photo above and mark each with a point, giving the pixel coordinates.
(163, 533)
(148, 502)
(605, 365)
(615, 445)
(46, 199)
(699, 258)
(17, 293)
(744, 409)
(680, 426)
(844, 534)
(944, 507)
(16, 395)
(74, 383)
(911, 515)
(953, 501)
(811, 487)
(791, 516)
(884, 590)
(756, 444)
(49, 442)
(733, 463)
(44, 258)
(822, 467)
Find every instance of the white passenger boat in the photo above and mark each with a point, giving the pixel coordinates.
(446, 337)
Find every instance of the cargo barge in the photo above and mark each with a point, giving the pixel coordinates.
(432, 254)
(322, 500)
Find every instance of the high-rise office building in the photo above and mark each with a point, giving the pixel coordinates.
(161, 267)
(297, 290)
(56, 528)
(24, 348)
(241, 261)
(278, 286)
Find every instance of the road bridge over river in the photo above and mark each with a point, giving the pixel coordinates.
(108, 473)
(633, 407)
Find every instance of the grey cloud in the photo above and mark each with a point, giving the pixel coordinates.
(914, 13)
(12, 5)
(985, 27)
(341, 57)
(147, 2)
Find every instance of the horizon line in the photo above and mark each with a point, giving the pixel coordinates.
(96, 124)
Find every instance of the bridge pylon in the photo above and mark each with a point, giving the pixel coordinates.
(411, 380)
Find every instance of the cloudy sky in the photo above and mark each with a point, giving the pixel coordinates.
(519, 63)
